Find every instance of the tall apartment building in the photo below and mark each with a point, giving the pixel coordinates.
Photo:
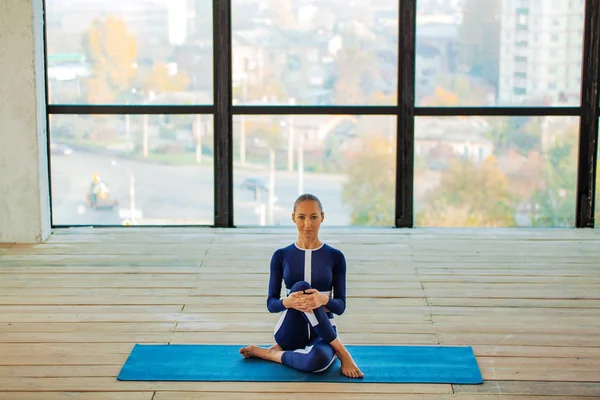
(540, 51)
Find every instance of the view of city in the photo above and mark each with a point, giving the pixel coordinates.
(469, 171)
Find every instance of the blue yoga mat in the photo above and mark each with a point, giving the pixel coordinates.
(380, 364)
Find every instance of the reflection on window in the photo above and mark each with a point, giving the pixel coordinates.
(132, 169)
(349, 162)
(478, 49)
(328, 52)
(496, 172)
(129, 51)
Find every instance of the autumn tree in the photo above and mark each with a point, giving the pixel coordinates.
(522, 134)
(370, 188)
(348, 85)
(356, 65)
(543, 181)
(382, 99)
(112, 52)
(470, 195)
(554, 199)
(160, 80)
(282, 14)
(457, 90)
(272, 87)
(524, 174)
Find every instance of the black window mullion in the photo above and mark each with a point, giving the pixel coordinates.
(588, 132)
(315, 110)
(406, 114)
(223, 123)
(124, 109)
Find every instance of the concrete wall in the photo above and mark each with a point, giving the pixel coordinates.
(24, 189)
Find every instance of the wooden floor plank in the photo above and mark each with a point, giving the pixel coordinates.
(536, 351)
(53, 360)
(55, 327)
(112, 385)
(327, 396)
(59, 371)
(558, 388)
(76, 396)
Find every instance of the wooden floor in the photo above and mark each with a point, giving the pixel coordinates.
(528, 301)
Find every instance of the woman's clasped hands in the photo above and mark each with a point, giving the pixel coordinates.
(306, 301)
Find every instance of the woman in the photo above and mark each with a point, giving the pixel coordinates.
(305, 335)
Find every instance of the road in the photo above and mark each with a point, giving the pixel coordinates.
(177, 194)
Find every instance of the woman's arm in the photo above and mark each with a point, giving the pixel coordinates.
(337, 303)
(274, 302)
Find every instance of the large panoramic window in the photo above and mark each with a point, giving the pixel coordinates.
(200, 112)
(325, 52)
(348, 161)
(496, 171)
(129, 52)
(499, 53)
(132, 169)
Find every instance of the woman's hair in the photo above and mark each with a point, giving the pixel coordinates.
(308, 197)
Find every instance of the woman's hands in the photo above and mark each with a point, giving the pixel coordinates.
(306, 301)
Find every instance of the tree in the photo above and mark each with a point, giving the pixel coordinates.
(470, 196)
(272, 87)
(282, 14)
(382, 99)
(442, 97)
(514, 133)
(524, 173)
(112, 52)
(160, 80)
(356, 70)
(457, 90)
(554, 199)
(348, 85)
(479, 36)
(369, 190)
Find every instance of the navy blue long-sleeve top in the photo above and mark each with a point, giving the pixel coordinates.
(324, 268)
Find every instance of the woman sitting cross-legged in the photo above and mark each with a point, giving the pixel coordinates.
(315, 277)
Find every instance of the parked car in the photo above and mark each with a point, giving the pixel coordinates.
(60, 149)
(254, 185)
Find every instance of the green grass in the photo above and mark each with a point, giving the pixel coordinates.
(174, 159)
(88, 144)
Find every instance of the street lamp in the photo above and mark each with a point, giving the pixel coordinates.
(198, 130)
(128, 120)
(297, 139)
(291, 101)
(301, 164)
(131, 189)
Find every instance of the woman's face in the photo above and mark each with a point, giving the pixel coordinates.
(308, 217)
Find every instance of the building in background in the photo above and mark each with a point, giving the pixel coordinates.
(540, 51)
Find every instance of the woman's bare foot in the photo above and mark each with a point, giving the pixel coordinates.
(247, 351)
(273, 353)
(349, 367)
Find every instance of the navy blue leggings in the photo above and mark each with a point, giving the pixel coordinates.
(305, 337)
